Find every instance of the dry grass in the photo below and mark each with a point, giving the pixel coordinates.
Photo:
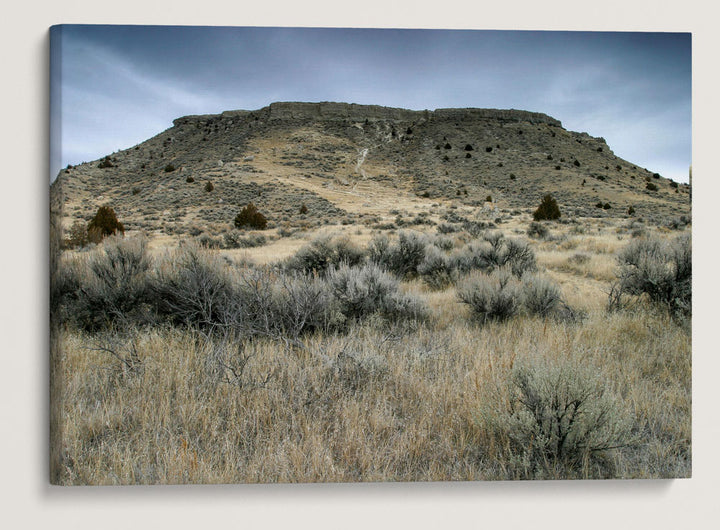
(376, 402)
(366, 406)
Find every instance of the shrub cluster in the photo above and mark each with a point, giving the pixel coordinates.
(499, 296)
(323, 253)
(660, 270)
(194, 287)
(367, 289)
(538, 230)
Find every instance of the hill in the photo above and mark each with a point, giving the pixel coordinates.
(352, 163)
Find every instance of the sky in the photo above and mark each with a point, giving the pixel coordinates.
(112, 87)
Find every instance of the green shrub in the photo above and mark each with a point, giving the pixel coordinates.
(105, 223)
(169, 168)
(303, 209)
(651, 186)
(209, 186)
(190, 180)
(250, 217)
(105, 163)
(548, 209)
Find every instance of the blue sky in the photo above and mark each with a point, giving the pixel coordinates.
(115, 86)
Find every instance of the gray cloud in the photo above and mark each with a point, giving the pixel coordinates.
(123, 84)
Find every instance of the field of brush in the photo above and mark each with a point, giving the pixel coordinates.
(344, 353)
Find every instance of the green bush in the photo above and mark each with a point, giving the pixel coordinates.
(169, 168)
(548, 209)
(250, 217)
(651, 186)
(209, 186)
(106, 163)
(104, 224)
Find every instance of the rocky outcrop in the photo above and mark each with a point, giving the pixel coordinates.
(330, 111)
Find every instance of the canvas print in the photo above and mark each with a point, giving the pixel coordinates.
(368, 255)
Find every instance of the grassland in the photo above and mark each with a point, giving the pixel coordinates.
(435, 395)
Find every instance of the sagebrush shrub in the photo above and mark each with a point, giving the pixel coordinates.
(403, 257)
(562, 421)
(367, 290)
(540, 296)
(113, 285)
(537, 230)
(495, 251)
(192, 287)
(77, 236)
(437, 269)
(323, 253)
(235, 239)
(491, 297)
(660, 270)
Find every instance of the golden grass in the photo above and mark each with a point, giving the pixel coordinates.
(363, 406)
(374, 403)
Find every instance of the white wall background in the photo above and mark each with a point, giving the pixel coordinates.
(28, 501)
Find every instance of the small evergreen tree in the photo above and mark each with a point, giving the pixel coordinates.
(250, 216)
(548, 209)
(105, 223)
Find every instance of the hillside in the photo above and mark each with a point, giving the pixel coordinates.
(352, 163)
